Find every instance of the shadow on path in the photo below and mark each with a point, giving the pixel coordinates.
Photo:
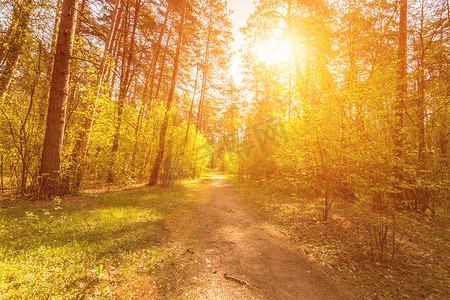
(234, 241)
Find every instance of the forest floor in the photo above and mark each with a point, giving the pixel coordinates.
(414, 263)
(233, 254)
(205, 239)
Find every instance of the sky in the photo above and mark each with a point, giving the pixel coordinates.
(241, 10)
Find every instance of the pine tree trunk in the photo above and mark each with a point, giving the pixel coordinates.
(54, 132)
(156, 56)
(205, 74)
(162, 136)
(421, 96)
(75, 66)
(399, 105)
(191, 109)
(54, 37)
(124, 85)
(11, 52)
(81, 145)
(162, 66)
(401, 84)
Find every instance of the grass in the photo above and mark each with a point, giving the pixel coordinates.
(419, 270)
(127, 244)
(100, 245)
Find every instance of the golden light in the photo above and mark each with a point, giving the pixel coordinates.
(274, 51)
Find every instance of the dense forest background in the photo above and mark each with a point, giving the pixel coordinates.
(336, 134)
(364, 97)
(357, 109)
(122, 70)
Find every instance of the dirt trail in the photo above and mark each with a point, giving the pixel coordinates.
(232, 240)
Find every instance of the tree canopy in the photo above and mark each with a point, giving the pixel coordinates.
(338, 99)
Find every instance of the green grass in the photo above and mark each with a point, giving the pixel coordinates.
(94, 246)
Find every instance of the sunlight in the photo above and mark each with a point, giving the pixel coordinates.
(274, 51)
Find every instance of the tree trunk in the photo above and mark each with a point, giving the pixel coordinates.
(162, 136)
(81, 145)
(54, 132)
(124, 84)
(163, 63)
(190, 110)
(75, 66)
(156, 56)
(54, 37)
(11, 51)
(205, 74)
(399, 106)
(421, 96)
(5, 40)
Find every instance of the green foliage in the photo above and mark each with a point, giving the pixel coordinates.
(132, 122)
(386, 253)
(337, 104)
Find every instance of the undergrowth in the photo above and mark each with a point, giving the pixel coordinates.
(415, 266)
(98, 245)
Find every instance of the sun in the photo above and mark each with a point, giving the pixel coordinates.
(275, 51)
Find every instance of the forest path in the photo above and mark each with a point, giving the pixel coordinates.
(230, 239)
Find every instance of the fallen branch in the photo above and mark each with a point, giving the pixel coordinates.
(235, 279)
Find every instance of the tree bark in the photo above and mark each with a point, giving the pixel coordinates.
(73, 79)
(156, 56)
(54, 132)
(81, 146)
(162, 136)
(421, 96)
(205, 74)
(11, 51)
(162, 65)
(191, 109)
(402, 87)
(124, 84)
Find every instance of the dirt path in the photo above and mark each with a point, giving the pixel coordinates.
(232, 240)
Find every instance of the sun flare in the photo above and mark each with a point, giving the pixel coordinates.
(275, 51)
